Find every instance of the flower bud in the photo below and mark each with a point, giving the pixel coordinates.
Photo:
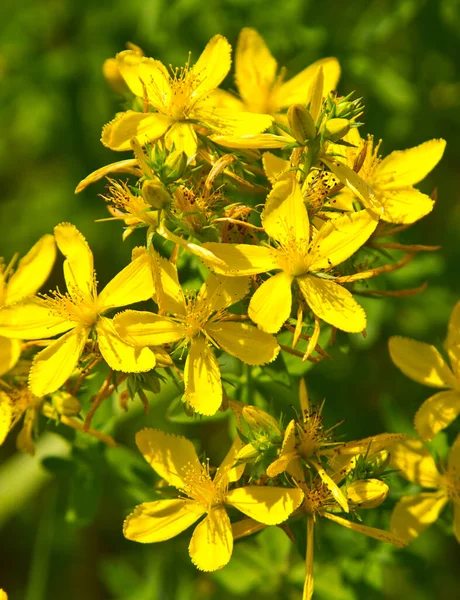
(247, 453)
(155, 193)
(258, 419)
(301, 123)
(335, 129)
(344, 109)
(66, 404)
(175, 165)
(367, 493)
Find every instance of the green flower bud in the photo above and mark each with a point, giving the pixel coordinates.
(155, 193)
(175, 165)
(335, 129)
(247, 453)
(301, 123)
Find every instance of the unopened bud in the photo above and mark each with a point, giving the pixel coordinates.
(247, 453)
(66, 404)
(367, 493)
(155, 193)
(301, 123)
(345, 109)
(258, 419)
(175, 164)
(335, 129)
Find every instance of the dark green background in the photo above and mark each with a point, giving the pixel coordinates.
(402, 57)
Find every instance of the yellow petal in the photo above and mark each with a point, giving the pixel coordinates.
(233, 124)
(367, 493)
(339, 238)
(261, 140)
(183, 137)
(219, 292)
(404, 205)
(255, 69)
(32, 271)
(408, 167)
(270, 305)
(212, 66)
(331, 485)
(10, 351)
(173, 457)
(54, 365)
(6, 416)
(226, 472)
(119, 354)
(421, 362)
(415, 463)
(132, 284)
(268, 505)
(316, 93)
(288, 453)
(145, 127)
(377, 534)
(78, 266)
(211, 545)
(122, 166)
(203, 387)
(31, 320)
(145, 75)
(340, 456)
(452, 343)
(245, 527)
(168, 291)
(147, 329)
(412, 515)
(3, 595)
(332, 303)
(241, 259)
(437, 413)
(161, 520)
(249, 344)
(285, 216)
(296, 90)
(274, 166)
(356, 184)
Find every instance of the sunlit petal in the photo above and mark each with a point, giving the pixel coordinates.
(203, 387)
(270, 305)
(414, 461)
(246, 342)
(211, 545)
(268, 505)
(437, 413)
(78, 266)
(412, 515)
(161, 520)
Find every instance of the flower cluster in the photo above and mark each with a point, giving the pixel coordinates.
(281, 212)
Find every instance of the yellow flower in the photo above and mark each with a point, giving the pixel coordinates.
(77, 312)
(198, 321)
(181, 101)
(31, 273)
(423, 363)
(174, 458)
(299, 258)
(388, 183)
(318, 502)
(303, 444)
(413, 514)
(261, 89)
(3, 595)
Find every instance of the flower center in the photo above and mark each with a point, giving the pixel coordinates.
(76, 308)
(293, 258)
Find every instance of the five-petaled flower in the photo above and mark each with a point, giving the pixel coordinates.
(174, 458)
(78, 312)
(413, 514)
(301, 258)
(198, 321)
(181, 101)
(423, 363)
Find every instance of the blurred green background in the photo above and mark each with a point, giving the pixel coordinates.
(61, 536)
